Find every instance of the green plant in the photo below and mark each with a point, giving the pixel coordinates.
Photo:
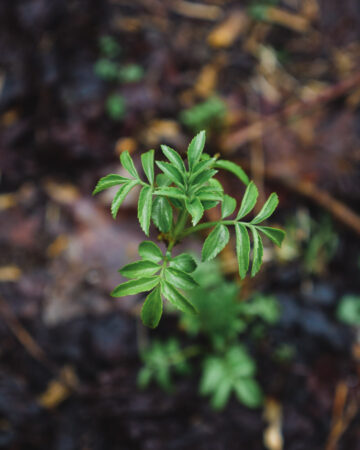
(109, 69)
(168, 200)
(348, 310)
(312, 241)
(204, 115)
(226, 365)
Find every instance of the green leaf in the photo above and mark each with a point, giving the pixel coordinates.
(109, 181)
(139, 269)
(201, 166)
(135, 286)
(248, 392)
(177, 299)
(268, 208)
(274, 234)
(228, 206)
(195, 209)
(195, 149)
(120, 196)
(257, 252)
(203, 177)
(248, 201)
(180, 279)
(184, 262)
(151, 310)
(213, 373)
(209, 193)
(242, 249)
(174, 157)
(215, 242)
(148, 250)
(171, 172)
(162, 180)
(162, 214)
(144, 377)
(144, 208)
(348, 310)
(209, 204)
(221, 394)
(128, 164)
(171, 192)
(147, 161)
(233, 168)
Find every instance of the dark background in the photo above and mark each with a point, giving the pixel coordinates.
(291, 87)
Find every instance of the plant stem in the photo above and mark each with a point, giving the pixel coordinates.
(178, 229)
(205, 225)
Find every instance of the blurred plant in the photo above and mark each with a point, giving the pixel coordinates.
(169, 200)
(160, 360)
(204, 115)
(258, 8)
(225, 362)
(109, 69)
(314, 242)
(348, 310)
(284, 353)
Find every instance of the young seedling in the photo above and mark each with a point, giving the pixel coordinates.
(180, 193)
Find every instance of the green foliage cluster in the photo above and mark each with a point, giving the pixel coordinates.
(182, 192)
(204, 115)
(109, 69)
(312, 241)
(226, 365)
(348, 310)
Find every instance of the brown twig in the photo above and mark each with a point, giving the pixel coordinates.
(266, 124)
(340, 211)
(343, 414)
(21, 334)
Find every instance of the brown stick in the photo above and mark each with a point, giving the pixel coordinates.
(22, 335)
(340, 211)
(265, 124)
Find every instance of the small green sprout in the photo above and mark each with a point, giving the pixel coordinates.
(170, 200)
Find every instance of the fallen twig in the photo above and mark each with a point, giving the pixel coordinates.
(271, 122)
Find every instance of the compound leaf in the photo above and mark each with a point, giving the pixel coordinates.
(140, 269)
(135, 286)
(274, 234)
(248, 201)
(174, 157)
(228, 206)
(152, 308)
(268, 208)
(215, 242)
(120, 196)
(180, 279)
(203, 177)
(171, 172)
(184, 262)
(242, 249)
(209, 193)
(171, 192)
(195, 149)
(233, 168)
(144, 208)
(128, 164)
(177, 299)
(148, 250)
(257, 252)
(110, 180)
(147, 161)
(162, 214)
(195, 209)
